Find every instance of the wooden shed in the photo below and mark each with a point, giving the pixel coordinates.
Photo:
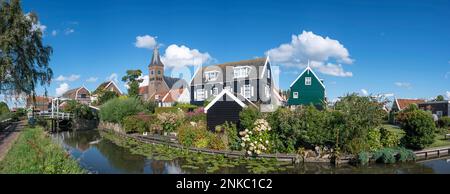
(225, 107)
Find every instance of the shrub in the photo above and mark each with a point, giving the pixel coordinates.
(304, 127)
(186, 107)
(196, 116)
(234, 141)
(197, 136)
(160, 110)
(352, 119)
(248, 116)
(105, 96)
(444, 122)
(80, 111)
(216, 142)
(405, 155)
(373, 140)
(385, 155)
(256, 141)
(138, 123)
(364, 158)
(170, 121)
(118, 108)
(187, 135)
(419, 127)
(150, 106)
(3, 108)
(388, 138)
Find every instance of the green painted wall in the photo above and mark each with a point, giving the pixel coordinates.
(312, 94)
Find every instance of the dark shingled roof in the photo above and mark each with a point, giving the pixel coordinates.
(170, 81)
(256, 63)
(156, 59)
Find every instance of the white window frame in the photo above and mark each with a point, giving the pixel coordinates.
(267, 91)
(295, 95)
(247, 91)
(241, 72)
(200, 95)
(308, 81)
(215, 91)
(211, 75)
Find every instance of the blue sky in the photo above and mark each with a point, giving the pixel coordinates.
(381, 47)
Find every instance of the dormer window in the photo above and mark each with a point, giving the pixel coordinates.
(211, 75)
(241, 72)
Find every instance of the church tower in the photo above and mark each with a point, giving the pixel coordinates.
(156, 85)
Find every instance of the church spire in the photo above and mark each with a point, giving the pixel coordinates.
(156, 59)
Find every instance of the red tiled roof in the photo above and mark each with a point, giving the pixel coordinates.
(404, 103)
(143, 90)
(173, 95)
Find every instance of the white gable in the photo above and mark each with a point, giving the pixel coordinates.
(308, 69)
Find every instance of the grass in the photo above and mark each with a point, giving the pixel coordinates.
(439, 139)
(395, 129)
(35, 153)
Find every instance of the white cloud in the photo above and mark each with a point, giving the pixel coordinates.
(179, 56)
(92, 79)
(54, 33)
(448, 94)
(388, 95)
(403, 85)
(327, 53)
(70, 78)
(364, 92)
(145, 41)
(63, 88)
(36, 25)
(330, 69)
(113, 77)
(69, 31)
(145, 80)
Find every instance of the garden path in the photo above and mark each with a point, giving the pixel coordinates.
(9, 136)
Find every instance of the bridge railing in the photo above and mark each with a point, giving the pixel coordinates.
(61, 115)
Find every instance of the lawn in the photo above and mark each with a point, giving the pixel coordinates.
(36, 153)
(439, 139)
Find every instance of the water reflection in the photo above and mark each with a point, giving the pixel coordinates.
(102, 156)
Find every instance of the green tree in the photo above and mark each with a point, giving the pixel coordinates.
(355, 116)
(106, 96)
(3, 108)
(419, 128)
(440, 98)
(24, 59)
(133, 80)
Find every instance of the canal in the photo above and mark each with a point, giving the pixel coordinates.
(100, 155)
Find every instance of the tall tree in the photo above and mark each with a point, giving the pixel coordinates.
(24, 59)
(440, 98)
(133, 80)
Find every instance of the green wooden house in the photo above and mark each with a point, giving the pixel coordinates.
(307, 89)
